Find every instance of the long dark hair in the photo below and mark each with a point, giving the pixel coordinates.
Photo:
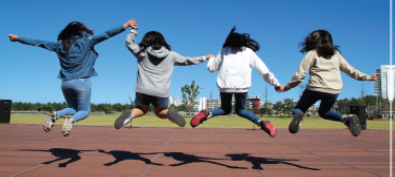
(73, 29)
(321, 41)
(235, 39)
(155, 40)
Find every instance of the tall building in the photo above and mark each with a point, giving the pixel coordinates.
(387, 85)
(377, 84)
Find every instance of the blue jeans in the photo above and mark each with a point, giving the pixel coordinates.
(309, 97)
(226, 106)
(77, 93)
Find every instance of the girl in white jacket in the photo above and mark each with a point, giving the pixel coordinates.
(234, 63)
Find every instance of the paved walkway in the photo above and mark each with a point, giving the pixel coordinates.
(26, 150)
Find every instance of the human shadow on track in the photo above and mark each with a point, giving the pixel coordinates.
(188, 158)
(126, 155)
(258, 161)
(61, 153)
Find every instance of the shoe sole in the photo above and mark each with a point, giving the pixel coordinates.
(355, 126)
(200, 121)
(66, 128)
(295, 124)
(176, 118)
(119, 123)
(271, 130)
(47, 125)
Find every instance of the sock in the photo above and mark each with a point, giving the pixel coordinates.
(56, 116)
(127, 120)
(259, 124)
(210, 115)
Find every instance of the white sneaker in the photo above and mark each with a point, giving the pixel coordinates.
(67, 125)
(49, 121)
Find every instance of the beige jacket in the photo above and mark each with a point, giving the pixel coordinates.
(324, 73)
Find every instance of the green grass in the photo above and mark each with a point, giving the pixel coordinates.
(217, 122)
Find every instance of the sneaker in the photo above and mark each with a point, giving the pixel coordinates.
(175, 117)
(353, 125)
(269, 128)
(296, 122)
(123, 119)
(67, 125)
(199, 118)
(49, 121)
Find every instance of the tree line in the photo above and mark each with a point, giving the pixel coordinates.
(280, 108)
(46, 107)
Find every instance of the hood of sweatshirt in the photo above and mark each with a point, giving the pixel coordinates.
(160, 54)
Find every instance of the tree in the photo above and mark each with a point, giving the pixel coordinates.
(266, 109)
(278, 106)
(288, 106)
(107, 110)
(189, 94)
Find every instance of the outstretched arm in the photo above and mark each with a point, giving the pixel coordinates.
(352, 72)
(304, 66)
(214, 63)
(262, 69)
(51, 46)
(185, 61)
(110, 33)
(130, 44)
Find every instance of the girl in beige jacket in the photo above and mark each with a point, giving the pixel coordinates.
(324, 63)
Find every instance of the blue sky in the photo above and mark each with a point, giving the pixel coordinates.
(192, 28)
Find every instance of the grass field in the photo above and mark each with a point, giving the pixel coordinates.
(217, 122)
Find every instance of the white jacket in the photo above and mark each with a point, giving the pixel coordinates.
(234, 66)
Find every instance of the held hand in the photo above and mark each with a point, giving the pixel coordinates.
(279, 88)
(133, 23)
(210, 56)
(374, 76)
(13, 37)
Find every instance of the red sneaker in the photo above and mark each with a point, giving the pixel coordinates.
(268, 127)
(199, 118)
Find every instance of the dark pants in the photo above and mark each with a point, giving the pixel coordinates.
(309, 97)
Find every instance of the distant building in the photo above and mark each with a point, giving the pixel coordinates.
(377, 84)
(201, 104)
(385, 75)
(253, 102)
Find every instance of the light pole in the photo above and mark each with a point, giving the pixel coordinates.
(201, 98)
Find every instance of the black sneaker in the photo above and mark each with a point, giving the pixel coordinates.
(296, 122)
(353, 125)
(120, 122)
(175, 117)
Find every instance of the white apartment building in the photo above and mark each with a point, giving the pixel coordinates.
(387, 79)
(201, 104)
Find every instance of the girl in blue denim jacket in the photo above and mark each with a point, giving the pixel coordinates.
(75, 50)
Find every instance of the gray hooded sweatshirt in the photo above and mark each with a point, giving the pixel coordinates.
(156, 66)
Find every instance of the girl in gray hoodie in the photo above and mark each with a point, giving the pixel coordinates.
(155, 66)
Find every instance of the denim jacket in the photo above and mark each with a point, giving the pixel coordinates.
(79, 60)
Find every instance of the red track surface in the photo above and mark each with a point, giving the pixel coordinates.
(26, 150)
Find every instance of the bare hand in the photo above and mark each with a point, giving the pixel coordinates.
(279, 88)
(13, 37)
(374, 76)
(132, 23)
(210, 56)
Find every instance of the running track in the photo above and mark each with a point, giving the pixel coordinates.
(26, 150)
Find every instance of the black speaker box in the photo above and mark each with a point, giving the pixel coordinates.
(5, 111)
(360, 111)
